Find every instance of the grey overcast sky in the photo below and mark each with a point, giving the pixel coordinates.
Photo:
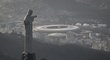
(15, 10)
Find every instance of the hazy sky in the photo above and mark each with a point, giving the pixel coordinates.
(16, 9)
(48, 10)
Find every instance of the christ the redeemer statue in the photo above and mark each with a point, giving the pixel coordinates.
(28, 20)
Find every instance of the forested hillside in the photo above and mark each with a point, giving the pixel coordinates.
(12, 45)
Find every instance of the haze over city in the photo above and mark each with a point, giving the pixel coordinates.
(90, 16)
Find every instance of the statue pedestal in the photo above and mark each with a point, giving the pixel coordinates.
(28, 56)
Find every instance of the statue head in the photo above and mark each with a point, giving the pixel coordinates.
(30, 12)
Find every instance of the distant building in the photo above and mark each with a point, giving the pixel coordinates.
(93, 26)
(85, 24)
(78, 24)
(101, 25)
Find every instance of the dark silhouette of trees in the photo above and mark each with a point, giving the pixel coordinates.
(12, 45)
